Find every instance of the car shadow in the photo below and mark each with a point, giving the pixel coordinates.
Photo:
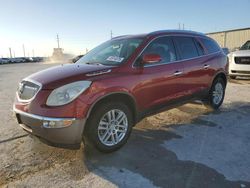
(144, 155)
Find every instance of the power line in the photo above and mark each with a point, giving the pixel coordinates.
(57, 38)
(10, 53)
(111, 34)
(179, 26)
(23, 51)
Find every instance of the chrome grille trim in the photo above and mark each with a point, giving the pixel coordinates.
(33, 82)
(243, 60)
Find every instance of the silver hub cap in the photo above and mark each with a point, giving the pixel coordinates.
(217, 93)
(112, 127)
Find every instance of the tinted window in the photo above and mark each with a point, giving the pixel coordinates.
(246, 46)
(210, 45)
(186, 47)
(162, 46)
(199, 47)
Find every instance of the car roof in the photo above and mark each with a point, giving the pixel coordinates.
(162, 32)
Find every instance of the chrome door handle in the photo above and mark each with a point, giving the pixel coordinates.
(177, 73)
(206, 66)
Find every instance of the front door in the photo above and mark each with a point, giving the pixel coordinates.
(159, 82)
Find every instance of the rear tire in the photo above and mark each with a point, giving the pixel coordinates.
(109, 127)
(216, 94)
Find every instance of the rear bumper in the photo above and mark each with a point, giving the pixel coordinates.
(69, 136)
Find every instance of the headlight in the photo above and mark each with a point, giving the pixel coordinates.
(230, 56)
(67, 93)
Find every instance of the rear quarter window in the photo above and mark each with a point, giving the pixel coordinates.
(210, 45)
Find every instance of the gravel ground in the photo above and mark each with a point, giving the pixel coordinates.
(188, 146)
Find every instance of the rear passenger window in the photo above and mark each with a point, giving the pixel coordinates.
(186, 47)
(210, 45)
(200, 48)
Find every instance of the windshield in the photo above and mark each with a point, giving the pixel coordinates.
(112, 52)
(246, 46)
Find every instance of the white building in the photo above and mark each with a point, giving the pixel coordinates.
(231, 39)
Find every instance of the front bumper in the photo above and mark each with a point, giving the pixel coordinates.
(66, 137)
(238, 69)
(239, 73)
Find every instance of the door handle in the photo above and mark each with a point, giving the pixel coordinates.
(177, 73)
(206, 66)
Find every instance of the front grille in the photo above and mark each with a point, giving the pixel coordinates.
(27, 90)
(242, 60)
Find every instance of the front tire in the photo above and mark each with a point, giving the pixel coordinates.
(109, 126)
(216, 94)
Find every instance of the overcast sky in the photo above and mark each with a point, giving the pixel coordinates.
(85, 24)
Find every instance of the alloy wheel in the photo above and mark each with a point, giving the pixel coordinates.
(112, 127)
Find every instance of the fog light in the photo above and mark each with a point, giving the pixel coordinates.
(67, 123)
(57, 124)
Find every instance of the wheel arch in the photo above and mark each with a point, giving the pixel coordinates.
(220, 75)
(125, 97)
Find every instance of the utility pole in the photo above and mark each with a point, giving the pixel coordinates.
(10, 53)
(179, 26)
(111, 34)
(183, 26)
(57, 38)
(23, 51)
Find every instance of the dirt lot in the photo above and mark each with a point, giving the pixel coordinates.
(189, 146)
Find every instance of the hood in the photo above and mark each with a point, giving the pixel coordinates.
(63, 74)
(241, 53)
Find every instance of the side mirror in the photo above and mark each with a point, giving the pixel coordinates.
(151, 58)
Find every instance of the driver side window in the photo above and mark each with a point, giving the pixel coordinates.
(162, 46)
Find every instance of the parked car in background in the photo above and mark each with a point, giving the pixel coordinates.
(4, 60)
(38, 59)
(75, 59)
(17, 60)
(102, 96)
(239, 61)
(21, 60)
(28, 59)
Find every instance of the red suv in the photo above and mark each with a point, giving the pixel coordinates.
(101, 97)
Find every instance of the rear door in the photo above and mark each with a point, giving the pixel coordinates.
(195, 78)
